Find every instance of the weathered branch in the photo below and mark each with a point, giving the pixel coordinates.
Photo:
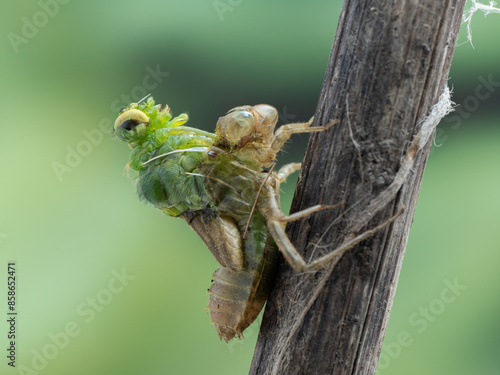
(388, 66)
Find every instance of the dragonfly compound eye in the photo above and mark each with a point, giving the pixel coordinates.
(130, 119)
(268, 112)
(236, 125)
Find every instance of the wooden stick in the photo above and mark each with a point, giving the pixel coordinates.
(388, 66)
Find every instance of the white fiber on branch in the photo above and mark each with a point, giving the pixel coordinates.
(486, 9)
(431, 121)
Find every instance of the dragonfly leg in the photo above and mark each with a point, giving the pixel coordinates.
(275, 224)
(306, 212)
(285, 131)
(287, 170)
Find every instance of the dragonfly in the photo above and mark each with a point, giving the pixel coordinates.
(224, 186)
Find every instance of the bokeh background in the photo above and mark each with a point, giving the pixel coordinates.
(72, 222)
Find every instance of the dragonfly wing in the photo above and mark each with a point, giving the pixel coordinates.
(220, 234)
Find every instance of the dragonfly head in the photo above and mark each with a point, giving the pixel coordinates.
(247, 124)
(137, 122)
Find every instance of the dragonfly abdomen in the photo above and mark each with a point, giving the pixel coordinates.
(236, 298)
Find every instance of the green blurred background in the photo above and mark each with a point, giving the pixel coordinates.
(72, 221)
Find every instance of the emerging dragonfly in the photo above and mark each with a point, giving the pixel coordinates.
(218, 184)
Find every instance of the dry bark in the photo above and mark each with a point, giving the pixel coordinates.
(389, 63)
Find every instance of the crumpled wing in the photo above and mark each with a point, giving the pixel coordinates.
(220, 234)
